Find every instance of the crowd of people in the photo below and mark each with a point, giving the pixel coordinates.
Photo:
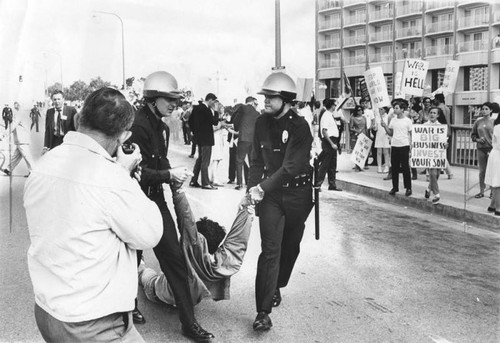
(105, 170)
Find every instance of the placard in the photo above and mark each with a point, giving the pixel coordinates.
(361, 150)
(450, 76)
(428, 146)
(375, 81)
(304, 89)
(414, 74)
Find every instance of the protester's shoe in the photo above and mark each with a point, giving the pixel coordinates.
(379, 170)
(450, 176)
(191, 156)
(427, 194)
(194, 184)
(366, 167)
(238, 187)
(230, 182)
(334, 188)
(393, 191)
(6, 172)
(197, 333)
(491, 195)
(414, 177)
(27, 175)
(216, 184)
(209, 187)
(479, 195)
(408, 192)
(386, 169)
(491, 209)
(262, 322)
(137, 316)
(497, 213)
(277, 298)
(423, 172)
(436, 200)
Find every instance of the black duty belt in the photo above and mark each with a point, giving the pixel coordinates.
(299, 181)
(152, 190)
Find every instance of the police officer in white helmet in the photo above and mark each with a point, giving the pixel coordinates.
(151, 134)
(280, 181)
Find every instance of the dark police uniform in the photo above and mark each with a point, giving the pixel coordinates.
(151, 135)
(280, 165)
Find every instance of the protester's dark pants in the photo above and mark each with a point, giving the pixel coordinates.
(373, 150)
(115, 327)
(400, 162)
(243, 149)
(232, 163)
(202, 163)
(186, 133)
(328, 162)
(282, 214)
(34, 123)
(193, 147)
(172, 263)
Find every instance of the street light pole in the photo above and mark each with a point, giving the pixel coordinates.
(278, 35)
(123, 42)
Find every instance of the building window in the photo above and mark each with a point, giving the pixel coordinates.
(388, 82)
(475, 78)
(333, 88)
(437, 78)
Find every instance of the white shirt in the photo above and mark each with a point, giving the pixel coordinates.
(401, 131)
(368, 114)
(86, 216)
(328, 122)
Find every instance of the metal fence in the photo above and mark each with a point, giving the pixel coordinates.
(463, 149)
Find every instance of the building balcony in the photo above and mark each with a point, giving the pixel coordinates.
(355, 20)
(496, 17)
(473, 22)
(326, 5)
(377, 58)
(439, 27)
(472, 46)
(333, 24)
(408, 32)
(354, 60)
(437, 5)
(329, 44)
(404, 54)
(331, 63)
(414, 7)
(439, 50)
(354, 3)
(381, 36)
(350, 41)
(382, 15)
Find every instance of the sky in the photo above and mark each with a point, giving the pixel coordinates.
(208, 45)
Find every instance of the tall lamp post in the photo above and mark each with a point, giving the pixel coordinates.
(123, 41)
(217, 78)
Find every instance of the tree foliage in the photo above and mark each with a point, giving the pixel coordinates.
(77, 91)
(53, 88)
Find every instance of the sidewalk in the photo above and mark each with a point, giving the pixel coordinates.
(454, 203)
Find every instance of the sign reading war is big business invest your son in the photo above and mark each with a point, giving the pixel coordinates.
(428, 146)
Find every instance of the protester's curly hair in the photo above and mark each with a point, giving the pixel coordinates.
(213, 232)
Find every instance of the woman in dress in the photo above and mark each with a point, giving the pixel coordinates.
(482, 133)
(217, 149)
(492, 175)
(357, 125)
(382, 141)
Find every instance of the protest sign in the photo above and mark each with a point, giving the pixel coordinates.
(304, 89)
(414, 74)
(450, 76)
(428, 146)
(361, 150)
(365, 94)
(375, 81)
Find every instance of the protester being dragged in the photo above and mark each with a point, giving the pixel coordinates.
(399, 129)
(86, 217)
(357, 125)
(383, 141)
(434, 173)
(212, 257)
(482, 134)
(492, 176)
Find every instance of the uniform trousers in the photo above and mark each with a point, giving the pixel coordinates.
(400, 162)
(21, 151)
(202, 163)
(243, 149)
(172, 262)
(282, 216)
(115, 327)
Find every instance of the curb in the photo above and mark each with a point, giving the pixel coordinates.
(490, 222)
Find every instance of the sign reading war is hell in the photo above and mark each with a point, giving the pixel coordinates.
(428, 146)
(375, 82)
(361, 150)
(414, 73)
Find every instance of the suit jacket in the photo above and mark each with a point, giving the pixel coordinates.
(200, 123)
(68, 120)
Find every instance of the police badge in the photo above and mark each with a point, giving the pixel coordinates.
(284, 136)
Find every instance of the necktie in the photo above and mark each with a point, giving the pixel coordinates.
(59, 131)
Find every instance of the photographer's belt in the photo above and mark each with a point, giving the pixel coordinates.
(299, 181)
(153, 190)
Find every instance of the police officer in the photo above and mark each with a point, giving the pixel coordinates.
(280, 181)
(151, 134)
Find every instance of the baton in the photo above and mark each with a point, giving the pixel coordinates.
(316, 187)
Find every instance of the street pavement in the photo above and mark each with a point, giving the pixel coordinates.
(382, 271)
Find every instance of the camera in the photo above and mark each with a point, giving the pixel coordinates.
(128, 148)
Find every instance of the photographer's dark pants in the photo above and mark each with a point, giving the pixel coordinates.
(328, 162)
(172, 263)
(282, 216)
(243, 149)
(202, 163)
(400, 163)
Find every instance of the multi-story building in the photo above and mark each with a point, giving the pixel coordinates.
(355, 35)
